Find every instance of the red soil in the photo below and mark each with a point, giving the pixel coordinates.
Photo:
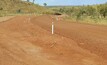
(25, 41)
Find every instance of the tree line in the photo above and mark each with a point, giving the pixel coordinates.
(29, 1)
(92, 11)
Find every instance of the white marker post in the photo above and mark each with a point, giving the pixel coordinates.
(29, 19)
(57, 18)
(52, 28)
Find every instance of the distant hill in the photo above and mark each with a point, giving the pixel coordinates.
(19, 6)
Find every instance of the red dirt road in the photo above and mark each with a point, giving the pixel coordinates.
(27, 40)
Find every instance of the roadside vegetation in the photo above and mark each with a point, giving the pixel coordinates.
(94, 14)
(16, 7)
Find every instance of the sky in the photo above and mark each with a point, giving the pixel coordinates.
(69, 2)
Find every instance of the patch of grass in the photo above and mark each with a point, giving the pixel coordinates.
(10, 7)
(87, 20)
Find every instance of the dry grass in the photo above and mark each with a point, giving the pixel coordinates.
(5, 18)
(19, 7)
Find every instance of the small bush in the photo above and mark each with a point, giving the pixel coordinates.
(1, 8)
(57, 13)
(19, 11)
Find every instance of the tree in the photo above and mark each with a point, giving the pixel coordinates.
(27, 0)
(45, 4)
(103, 10)
(33, 1)
(91, 11)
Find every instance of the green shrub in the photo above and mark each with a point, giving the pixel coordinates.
(103, 10)
(1, 8)
(19, 11)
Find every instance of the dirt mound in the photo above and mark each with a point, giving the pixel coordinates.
(27, 40)
(2, 19)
